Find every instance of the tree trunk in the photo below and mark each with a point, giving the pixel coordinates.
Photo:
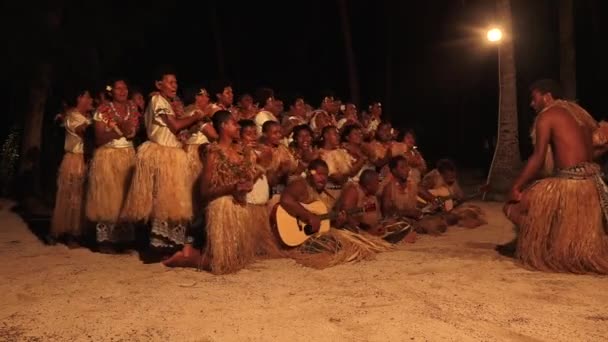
(507, 161)
(567, 66)
(350, 56)
(38, 95)
(32, 130)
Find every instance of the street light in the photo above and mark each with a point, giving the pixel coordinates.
(494, 36)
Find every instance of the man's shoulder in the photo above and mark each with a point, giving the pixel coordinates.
(552, 112)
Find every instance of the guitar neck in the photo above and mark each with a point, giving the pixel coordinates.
(332, 215)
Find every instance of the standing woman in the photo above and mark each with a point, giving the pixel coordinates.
(159, 192)
(116, 122)
(199, 134)
(68, 215)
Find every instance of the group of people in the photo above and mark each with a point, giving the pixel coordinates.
(205, 178)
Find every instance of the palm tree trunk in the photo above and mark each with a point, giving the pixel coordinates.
(567, 69)
(39, 90)
(350, 56)
(507, 161)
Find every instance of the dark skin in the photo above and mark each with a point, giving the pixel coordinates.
(272, 139)
(167, 87)
(304, 146)
(383, 135)
(175, 125)
(571, 145)
(104, 136)
(238, 190)
(400, 175)
(294, 194)
(331, 143)
(349, 199)
(188, 256)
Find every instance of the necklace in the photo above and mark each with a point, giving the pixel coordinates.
(116, 114)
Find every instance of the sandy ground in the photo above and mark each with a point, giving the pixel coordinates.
(450, 288)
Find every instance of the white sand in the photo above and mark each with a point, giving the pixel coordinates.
(451, 288)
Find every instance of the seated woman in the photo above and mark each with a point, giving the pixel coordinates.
(414, 157)
(302, 147)
(237, 231)
(342, 165)
(352, 142)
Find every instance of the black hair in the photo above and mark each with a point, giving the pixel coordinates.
(268, 124)
(291, 100)
(394, 162)
(548, 86)
(73, 92)
(262, 95)
(111, 83)
(367, 175)
(217, 87)
(323, 132)
(315, 164)
(191, 93)
(327, 94)
(220, 118)
(444, 165)
(162, 71)
(402, 134)
(246, 124)
(135, 90)
(347, 130)
(299, 128)
(244, 95)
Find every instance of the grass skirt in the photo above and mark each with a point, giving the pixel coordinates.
(563, 230)
(236, 235)
(195, 168)
(69, 203)
(338, 246)
(159, 190)
(109, 178)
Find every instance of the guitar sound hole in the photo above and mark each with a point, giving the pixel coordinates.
(308, 230)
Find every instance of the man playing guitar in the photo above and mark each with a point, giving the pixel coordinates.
(308, 190)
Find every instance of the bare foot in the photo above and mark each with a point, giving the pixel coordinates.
(180, 259)
(410, 237)
(188, 251)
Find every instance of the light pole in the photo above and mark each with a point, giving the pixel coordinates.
(494, 36)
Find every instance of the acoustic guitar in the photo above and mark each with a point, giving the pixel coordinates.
(294, 232)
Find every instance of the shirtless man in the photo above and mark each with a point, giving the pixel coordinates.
(362, 194)
(561, 219)
(399, 194)
(445, 175)
(306, 191)
(335, 246)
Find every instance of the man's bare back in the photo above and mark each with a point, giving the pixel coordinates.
(571, 142)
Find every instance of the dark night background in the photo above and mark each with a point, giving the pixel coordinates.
(428, 62)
